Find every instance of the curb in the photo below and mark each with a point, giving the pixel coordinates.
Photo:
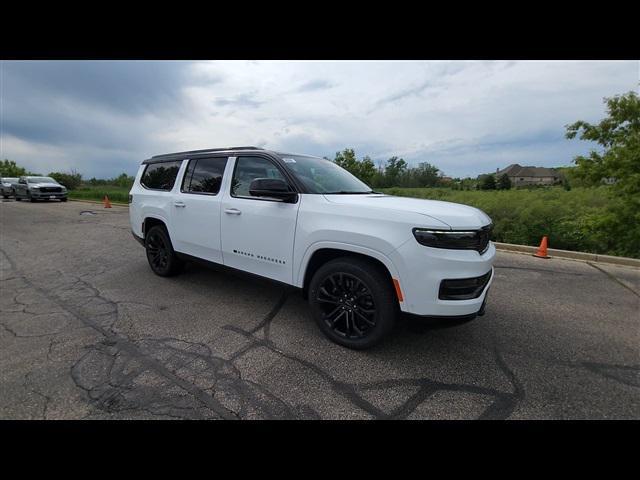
(584, 256)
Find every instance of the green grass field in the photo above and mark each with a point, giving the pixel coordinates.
(115, 194)
(523, 216)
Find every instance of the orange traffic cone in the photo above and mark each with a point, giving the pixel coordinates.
(107, 203)
(542, 251)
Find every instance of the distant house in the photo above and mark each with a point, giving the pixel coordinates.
(521, 176)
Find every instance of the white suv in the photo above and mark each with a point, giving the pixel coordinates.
(360, 257)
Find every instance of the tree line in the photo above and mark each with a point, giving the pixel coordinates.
(396, 172)
(72, 179)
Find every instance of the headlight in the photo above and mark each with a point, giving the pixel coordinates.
(454, 240)
(34, 188)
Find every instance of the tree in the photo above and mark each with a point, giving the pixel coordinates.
(123, 180)
(393, 169)
(70, 180)
(504, 183)
(427, 175)
(9, 168)
(618, 136)
(488, 183)
(364, 169)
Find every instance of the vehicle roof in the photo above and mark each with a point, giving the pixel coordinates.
(170, 157)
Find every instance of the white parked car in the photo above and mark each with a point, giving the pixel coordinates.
(360, 257)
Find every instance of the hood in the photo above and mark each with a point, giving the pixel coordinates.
(46, 184)
(455, 215)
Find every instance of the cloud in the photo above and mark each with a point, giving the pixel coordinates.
(314, 85)
(466, 117)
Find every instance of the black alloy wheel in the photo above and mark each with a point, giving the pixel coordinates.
(353, 302)
(160, 254)
(347, 305)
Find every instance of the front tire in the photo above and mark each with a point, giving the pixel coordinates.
(160, 254)
(353, 302)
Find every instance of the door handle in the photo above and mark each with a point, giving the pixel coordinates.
(179, 204)
(232, 211)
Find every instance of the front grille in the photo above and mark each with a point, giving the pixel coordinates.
(463, 288)
(50, 189)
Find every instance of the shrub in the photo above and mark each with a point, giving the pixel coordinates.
(70, 180)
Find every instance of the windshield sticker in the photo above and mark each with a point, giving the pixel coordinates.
(289, 160)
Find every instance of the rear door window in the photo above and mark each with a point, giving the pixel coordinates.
(204, 175)
(160, 176)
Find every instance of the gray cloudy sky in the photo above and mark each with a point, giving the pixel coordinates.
(105, 117)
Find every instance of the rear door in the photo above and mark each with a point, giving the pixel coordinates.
(195, 212)
(257, 233)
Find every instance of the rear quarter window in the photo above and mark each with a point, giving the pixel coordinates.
(160, 176)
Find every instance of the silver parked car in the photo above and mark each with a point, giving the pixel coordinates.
(39, 188)
(7, 186)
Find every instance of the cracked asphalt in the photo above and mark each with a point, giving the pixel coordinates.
(87, 331)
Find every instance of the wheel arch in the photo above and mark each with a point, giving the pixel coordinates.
(150, 222)
(321, 254)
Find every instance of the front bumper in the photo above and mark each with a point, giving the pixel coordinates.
(423, 269)
(48, 195)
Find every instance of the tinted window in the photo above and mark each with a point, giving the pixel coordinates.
(247, 170)
(160, 176)
(204, 175)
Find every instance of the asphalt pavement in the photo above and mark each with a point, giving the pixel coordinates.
(87, 331)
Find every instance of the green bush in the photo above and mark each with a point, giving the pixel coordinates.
(70, 180)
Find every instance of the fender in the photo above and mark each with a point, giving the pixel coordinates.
(157, 217)
(314, 247)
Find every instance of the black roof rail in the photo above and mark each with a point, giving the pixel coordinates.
(206, 150)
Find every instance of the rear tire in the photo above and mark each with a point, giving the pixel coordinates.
(353, 302)
(160, 254)
(5, 196)
(18, 199)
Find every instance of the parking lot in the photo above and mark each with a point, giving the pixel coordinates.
(88, 331)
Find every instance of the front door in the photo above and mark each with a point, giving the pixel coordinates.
(195, 212)
(257, 233)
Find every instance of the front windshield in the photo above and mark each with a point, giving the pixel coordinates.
(323, 176)
(41, 180)
(9, 180)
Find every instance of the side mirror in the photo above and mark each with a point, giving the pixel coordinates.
(272, 188)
